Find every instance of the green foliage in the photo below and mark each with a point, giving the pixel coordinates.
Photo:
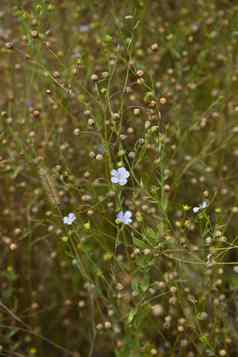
(88, 87)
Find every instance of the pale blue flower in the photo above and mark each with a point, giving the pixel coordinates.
(84, 28)
(124, 217)
(69, 219)
(202, 206)
(120, 176)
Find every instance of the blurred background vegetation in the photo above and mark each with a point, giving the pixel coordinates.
(89, 86)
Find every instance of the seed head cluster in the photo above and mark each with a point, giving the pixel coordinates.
(118, 160)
